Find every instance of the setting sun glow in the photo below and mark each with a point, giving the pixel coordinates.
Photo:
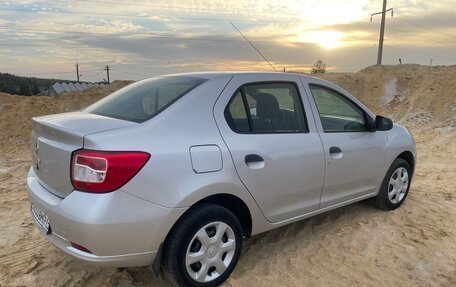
(326, 39)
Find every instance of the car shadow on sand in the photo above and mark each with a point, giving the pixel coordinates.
(285, 239)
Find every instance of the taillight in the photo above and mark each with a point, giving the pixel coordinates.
(105, 171)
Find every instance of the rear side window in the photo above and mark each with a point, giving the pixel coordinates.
(266, 108)
(236, 114)
(143, 100)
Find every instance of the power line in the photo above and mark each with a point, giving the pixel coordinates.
(449, 18)
(153, 35)
(408, 33)
(46, 73)
(422, 53)
(426, 28)
(79, 32)
(92, 74)
(61, 72)
(414, 51)
(92, 70)
(85, 71)
(97, 74)
(130, 73)
(144, 16)
(150, 34)
(190, 8)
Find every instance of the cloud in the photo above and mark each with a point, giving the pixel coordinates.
(150, 39)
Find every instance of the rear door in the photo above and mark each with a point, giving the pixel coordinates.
(355, 156)
(273, 142)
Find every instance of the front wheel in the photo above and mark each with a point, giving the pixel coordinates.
(204, 247)
(395, 186)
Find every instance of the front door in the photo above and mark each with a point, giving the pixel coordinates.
(274, 144)
(355, 156)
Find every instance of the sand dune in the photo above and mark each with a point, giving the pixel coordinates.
(357, 245)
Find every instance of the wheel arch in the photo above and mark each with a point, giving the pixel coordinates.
(226, 200)
(236, 205)
(409, 158)
(229, 201)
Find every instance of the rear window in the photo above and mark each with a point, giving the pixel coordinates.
(143, 100)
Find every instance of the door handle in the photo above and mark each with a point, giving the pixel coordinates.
(335, 149)
(335, 152)
(254, 161)
(250, 158)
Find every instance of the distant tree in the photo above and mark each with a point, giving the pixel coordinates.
(319, 67)
(17, 85)
(35, 90)
(24, 89)
(11, 90)
(8, 89)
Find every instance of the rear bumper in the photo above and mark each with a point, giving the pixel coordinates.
(124, 260)
(119, 229)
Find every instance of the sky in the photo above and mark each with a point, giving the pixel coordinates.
(140, 39)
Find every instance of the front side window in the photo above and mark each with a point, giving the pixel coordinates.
(266, 108)
(337, 113)
(143, 100)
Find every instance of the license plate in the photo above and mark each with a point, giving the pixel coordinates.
(41, 218)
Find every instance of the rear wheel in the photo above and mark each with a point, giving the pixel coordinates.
(395, 186)
(204, 247)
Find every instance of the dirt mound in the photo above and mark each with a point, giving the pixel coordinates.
(410, 94)
(16, 111)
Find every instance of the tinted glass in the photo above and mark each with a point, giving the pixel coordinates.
(337, 113)
(273, 107)
(141, 101)
(236, 114)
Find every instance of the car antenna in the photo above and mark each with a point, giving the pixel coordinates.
(254, 47)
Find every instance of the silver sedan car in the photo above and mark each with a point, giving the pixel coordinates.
(174, 171)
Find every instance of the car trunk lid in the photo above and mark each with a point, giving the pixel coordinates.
(55, 137)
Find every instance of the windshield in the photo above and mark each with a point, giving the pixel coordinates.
(143, 100)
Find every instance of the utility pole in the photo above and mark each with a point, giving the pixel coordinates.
(77, 71)
(107, 73)
(382, 34)
(77, 67)
(382, 31)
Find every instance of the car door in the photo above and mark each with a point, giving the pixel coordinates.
(274, 144)
(355, 156)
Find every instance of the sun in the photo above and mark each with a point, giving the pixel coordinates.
(326, 39)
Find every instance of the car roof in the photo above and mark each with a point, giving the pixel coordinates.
(215, 74)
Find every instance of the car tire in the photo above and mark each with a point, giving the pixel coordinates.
(395, 186)
(203, 248)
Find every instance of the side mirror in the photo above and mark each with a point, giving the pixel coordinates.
(383, 123)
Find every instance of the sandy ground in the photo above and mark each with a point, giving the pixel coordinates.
(357, 245)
